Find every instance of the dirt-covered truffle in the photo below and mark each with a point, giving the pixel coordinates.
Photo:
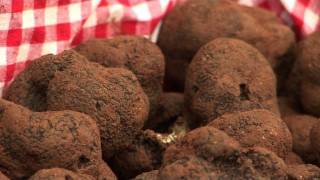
(196, 22)
(111, 96)
(31, 141)
(303, 172)
(228, 75)
(135, 53)
(144, 155)
(300, 127)
(151, 175)
(304, 82)
(170, 108)
(256, 128)
(59, 174)
(209, 153)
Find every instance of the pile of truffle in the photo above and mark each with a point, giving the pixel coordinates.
(226, 93)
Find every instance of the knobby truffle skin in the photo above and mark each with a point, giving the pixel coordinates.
(209, 153)
(196, 22)
(257, 128)
(228, 75)
(135, 53)
(59, 174)
(68, 81)
(30, 141)
(303, 171)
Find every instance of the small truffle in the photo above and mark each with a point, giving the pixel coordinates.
(300, 127)
(135, 53)
(68, 81)
(228, 75)
(144, 155)
(256, 128)
(170, 108)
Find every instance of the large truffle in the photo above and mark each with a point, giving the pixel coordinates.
(196, 22)
(112, 96)
(304, 82)
(257, 128)
(31, 141)
(135, 53)
(209, 153)
(228, 75)
(300, 127)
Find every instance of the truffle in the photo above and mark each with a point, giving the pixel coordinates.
(228, 75)
(300, 127)
(144, 155)
(68, 81)
(135, 53)
(209, 153)
(170, 108)
(315, 140)
(31, 141)
(194, 23)
(304, 82)
(256, 128)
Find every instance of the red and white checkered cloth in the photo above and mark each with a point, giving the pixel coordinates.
(31, 28)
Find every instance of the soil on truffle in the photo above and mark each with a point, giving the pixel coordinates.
(257, 128)
(207, 152)
(111, 96)
(135, 53)
(228, 75)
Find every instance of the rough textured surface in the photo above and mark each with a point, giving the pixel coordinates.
(170, 107)
(300, 127)
(30, 141)
(304, 81)
(303, 172)
(135, 53)
(112, 96)
(151, 175)
(144, 155)
(192, 29)
(59, 174)
(228, 75)
(256, 128)
(208, 153)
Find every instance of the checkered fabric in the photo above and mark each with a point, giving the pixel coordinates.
(32, 28)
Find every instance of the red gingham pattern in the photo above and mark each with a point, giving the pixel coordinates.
(31, 28)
